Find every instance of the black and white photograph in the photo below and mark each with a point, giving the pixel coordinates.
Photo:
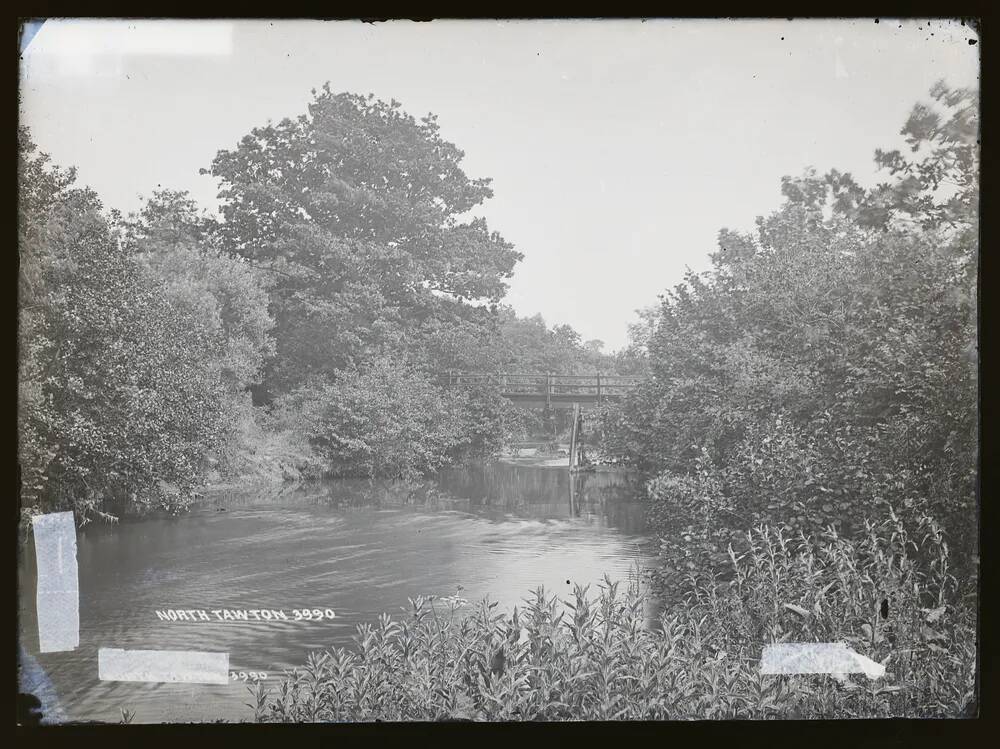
(538, 370)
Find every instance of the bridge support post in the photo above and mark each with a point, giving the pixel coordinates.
(572, 495)
(574, 439)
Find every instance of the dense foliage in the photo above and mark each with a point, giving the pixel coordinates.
(355, 208)
(822, 372)
(380, 420)
(379, 284)
(826, 365)
(596, 659)
(121, 394)
(528, 345)
(342, 282)
(174, 242)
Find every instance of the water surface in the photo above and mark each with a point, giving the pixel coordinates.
(356, 547)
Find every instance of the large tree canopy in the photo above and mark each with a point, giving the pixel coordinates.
(361, 213)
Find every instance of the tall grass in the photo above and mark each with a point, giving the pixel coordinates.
(592, 657)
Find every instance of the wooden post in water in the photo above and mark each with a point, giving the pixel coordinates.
(574, 437)
(572, 494)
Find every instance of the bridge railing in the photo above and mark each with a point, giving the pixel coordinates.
(548, 385)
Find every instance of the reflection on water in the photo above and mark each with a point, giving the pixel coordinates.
(503, 490)
(357, 547)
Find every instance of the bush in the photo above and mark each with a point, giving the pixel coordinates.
(593, 658)
(384, 419)
(389, 419)
(137, 341)
(490, 422)
(825, 366)
(262, 452)
(119, 395)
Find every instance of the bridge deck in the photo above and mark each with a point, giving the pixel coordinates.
(556, 391)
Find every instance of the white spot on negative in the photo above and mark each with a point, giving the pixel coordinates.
(817, 658)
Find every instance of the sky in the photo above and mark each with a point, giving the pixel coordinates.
(617, 149)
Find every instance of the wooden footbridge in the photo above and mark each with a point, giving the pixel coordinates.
(550, 390)
(554, 392)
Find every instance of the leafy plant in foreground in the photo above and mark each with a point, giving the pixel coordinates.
(601, 657)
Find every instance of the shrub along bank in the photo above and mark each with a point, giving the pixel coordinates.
(824, 369)
(594, 658)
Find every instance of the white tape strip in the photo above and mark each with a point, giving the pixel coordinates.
(817, 658)
(162, 665)
(58, 594)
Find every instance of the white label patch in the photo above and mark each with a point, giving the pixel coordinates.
(162, 665)
(57, 600)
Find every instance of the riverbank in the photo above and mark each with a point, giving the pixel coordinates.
(277, 474)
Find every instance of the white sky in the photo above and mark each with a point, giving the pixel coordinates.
(618, 149)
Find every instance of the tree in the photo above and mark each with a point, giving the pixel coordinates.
(826, 363)
(528, 345)
(356, 209)
(634, 358)
(941, 189)
(175, 243)
(383, 419)
(118, 395)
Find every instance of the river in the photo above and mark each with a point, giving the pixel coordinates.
(355, 547)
